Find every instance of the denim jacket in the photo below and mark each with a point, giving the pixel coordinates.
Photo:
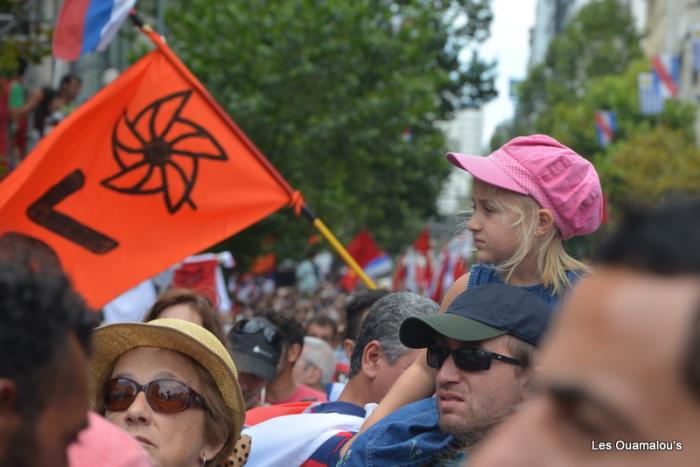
(409, 436)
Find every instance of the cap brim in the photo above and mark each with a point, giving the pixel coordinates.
(246, 363)
(484, 169)
(418, 333)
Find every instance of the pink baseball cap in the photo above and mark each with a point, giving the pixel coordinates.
(552, 174)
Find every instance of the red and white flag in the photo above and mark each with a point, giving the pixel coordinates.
(450, 265)
(414, 271)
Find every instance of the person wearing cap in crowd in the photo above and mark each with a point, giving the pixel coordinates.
(44, 345)
(316, 364)
(256, 346)
(527, 197)
(314, 438)
(481, 349)
(172, 385)
(618, 383)
(283, 389)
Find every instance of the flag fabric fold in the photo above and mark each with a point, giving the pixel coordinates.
(148, 171)
(84, 26)
(203, 274)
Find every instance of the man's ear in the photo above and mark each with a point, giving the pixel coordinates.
(371, 355)
(348, 347)
(293, 353)
(8, 396)
(545, 222)
(526, 379)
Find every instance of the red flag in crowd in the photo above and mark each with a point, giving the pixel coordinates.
(450, 265)
(414, 271)
(148, 171)
(369, 256)
(199, 276)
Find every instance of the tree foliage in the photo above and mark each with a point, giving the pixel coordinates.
(342, 97)
(22, 35)
(651, 164)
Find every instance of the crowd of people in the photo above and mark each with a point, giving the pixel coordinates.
(533, 358)
(27, 116)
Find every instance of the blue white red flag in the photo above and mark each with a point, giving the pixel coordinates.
(667, 72)
(605, 126)
(651, 102)
(85, 26)
(369, 256)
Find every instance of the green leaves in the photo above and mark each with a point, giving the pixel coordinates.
(326, 89)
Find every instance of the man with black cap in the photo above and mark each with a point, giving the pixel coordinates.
(256, 346)
(481, 349)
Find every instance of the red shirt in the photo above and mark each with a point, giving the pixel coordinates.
(303, 393)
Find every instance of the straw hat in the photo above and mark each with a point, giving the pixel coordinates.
(112, 341)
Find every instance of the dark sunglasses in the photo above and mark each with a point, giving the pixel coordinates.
(466, 359)
(163, 395)
(254, 326)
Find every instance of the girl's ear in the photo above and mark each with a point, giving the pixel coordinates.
(546, 221)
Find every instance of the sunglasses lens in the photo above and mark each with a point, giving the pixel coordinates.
(436, 356)
(472, 360)
(168, 396)
(119, 394)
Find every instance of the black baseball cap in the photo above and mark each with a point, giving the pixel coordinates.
(256, 352)
(481, 313)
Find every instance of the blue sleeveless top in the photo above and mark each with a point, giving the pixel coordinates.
(488, 274)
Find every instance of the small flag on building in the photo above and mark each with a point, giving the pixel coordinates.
(667, 72)
(605, 126)
(695, 44)
(650, 100)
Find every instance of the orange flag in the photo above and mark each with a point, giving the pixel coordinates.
(148, 171)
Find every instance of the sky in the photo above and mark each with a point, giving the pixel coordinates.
(509, 44)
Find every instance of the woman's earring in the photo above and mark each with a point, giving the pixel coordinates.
(204, 460)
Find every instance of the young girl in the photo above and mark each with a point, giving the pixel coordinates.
(528, 196)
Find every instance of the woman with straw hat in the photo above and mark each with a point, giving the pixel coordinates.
(173, 386)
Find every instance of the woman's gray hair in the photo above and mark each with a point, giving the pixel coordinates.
(383, 322)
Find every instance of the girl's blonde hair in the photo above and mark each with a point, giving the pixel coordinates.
(552, 260)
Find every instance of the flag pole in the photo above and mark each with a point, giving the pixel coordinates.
(296, 200)
(339, 248)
